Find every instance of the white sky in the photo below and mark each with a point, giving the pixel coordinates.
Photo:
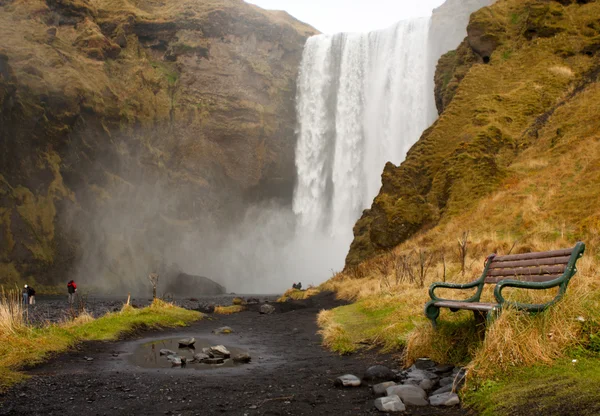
(332, 16)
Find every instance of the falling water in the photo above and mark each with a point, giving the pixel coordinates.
(363, 100)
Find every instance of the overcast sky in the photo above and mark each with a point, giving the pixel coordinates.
(331, 16)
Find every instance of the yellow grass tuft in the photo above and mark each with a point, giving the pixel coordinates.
(228, 310)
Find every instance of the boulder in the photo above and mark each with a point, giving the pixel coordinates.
(444, 399)
(379, 373)
(174, 359)
(206, 308)
(267, 309)
(167, 352)
(441, 369)
(347, 380)
(444, 389)
(187, 285)
(381, 388)
(390, 404)
(410, 395)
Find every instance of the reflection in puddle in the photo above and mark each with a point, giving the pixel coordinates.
(148, 355)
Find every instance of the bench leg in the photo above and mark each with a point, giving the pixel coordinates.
(480, 318)
(432, 312)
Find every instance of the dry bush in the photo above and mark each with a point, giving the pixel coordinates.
(11, 312)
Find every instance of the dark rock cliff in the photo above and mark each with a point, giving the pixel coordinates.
(102, 100)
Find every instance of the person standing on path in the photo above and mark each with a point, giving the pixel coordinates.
(25, 295)
(72, 288)
(31, 295)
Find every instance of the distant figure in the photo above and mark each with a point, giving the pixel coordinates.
(31, 295)
(25, 295)
(294, 286)
(72, 288)
(299, 286)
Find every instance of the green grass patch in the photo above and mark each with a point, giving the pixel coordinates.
(28, 346)
(565, 388)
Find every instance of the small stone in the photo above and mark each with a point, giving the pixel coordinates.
(444, 389)
(444, 399)
(424, 364)
(242, 358)
(379, 373)
(200, 357)
(206, 308)
(410, 395)
(266, 309)
(441, 369)
(186, 342)
(174, 359)
(88, 358)
(347, 380)
(382, 387)
(390, 404)
(208, 352)
(446, 381)
(223, 330)
(165, 351)
(219, 351)
(427, 384)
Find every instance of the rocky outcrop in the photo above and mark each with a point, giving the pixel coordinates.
(110, 101)
(496, 92)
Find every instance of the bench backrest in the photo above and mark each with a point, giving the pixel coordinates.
(533, 267)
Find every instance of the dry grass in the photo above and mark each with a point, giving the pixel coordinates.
(11, 312)
(228, 310)
(295, 294)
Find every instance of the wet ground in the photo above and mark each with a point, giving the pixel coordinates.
(290, 374)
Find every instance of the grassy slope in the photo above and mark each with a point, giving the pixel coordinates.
(543, 96)
(26, 346)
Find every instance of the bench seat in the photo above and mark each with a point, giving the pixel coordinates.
(538, 270)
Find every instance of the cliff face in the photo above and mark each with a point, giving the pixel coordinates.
(504, 91)
(100, 96)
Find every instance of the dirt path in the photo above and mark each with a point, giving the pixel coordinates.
(291, 374)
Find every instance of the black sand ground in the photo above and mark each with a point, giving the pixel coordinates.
(291, 374)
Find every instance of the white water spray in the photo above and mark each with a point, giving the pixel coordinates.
(363, 100)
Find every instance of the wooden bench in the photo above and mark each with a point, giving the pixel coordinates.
(541, 270)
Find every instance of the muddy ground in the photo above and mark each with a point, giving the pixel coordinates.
(290, 374)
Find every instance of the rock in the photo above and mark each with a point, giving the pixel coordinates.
(444, 399)
(410, 395)
(216, 360)
(200, 357)
(441, 369)
(390, 404)
(267, 309)
(174, 359)
(446, 381)
(424, 364)
(165, 351)
(208, 352)
(187, 285)
(242, 358)
(379, 373)
(445, 389)
(420, 375)
(427, 384)
(252, 301)
(382, 387)
(223, 330)
(187, 342)
(347, 380)
(219, 351)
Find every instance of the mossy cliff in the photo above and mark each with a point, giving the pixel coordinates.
(515, 101)
(98, 95)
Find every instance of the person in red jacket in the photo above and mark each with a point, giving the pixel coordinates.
(72, 288)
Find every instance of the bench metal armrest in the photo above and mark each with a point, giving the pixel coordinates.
(476, 283)
(560, 281)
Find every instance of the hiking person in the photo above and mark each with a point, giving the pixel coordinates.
(31, 295)
(72, 288)
(299, 286)
(294, 286)
(25, 295)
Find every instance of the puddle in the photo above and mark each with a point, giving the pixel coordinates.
(147, 355)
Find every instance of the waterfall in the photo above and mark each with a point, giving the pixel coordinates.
(362, 100)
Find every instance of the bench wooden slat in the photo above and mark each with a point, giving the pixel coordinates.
(471, 306)
(559, 268)
(524, 278)
(548, 261)
(538, 255)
